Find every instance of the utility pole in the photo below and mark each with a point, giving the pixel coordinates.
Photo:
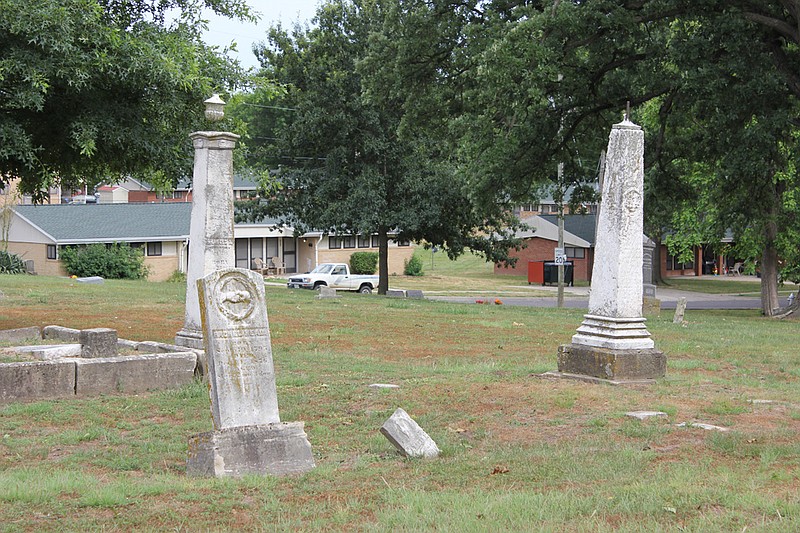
(561, 233)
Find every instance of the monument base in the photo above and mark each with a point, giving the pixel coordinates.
(611, 364)
(190, 339)
(278, 449)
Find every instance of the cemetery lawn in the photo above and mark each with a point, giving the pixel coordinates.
(520, 452)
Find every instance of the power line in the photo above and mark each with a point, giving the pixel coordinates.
(272, 107)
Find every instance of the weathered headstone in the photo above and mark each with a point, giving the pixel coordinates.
(415, 294)
(680, 311)
(61, 333)
(211, 227)
(248, 436)
(327, 292)
(408, 437)
(613, 343)
(98, 342)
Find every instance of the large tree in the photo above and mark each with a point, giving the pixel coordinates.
(344, 164)
(98, 89)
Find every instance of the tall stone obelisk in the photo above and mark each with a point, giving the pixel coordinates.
(613, 343)
(211, 231)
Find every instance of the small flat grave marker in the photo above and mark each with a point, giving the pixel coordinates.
(644, 415)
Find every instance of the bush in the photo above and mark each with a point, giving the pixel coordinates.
(364, 262)
(11, 263)
(177, 277)
(118, 261)
(413, 266)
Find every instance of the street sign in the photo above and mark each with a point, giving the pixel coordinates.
(560, 256)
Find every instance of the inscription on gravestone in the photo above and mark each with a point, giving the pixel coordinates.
(239, 350)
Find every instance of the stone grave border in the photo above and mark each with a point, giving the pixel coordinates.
(159, 366)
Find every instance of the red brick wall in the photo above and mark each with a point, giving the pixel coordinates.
(544, 250)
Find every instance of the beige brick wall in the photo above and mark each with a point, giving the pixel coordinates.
(161, 267)
(38, 252)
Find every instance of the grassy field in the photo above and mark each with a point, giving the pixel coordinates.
(520, 452)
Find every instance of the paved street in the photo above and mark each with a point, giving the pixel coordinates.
(578, 298)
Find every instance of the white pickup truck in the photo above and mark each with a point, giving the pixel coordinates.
(335, 276)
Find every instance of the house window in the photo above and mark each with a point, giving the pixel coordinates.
(334, 243)
(375, 241)
(363, 241)
(674, 264)
(349, 241)
(153, 248)
(403, 243)
(51, 251)
(575, 253)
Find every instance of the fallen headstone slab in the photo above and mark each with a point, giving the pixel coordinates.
(762, 402)
(93, 280)
(701, 425)
(61, 333)
(644, 415)
(49, 352)
(408, 437)
(159, 347)
(37, 380)
(20, 334)
(383, 386)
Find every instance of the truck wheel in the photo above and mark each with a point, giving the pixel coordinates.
(318, 285)
(365, 289)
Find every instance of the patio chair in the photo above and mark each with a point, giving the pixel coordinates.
(736, 270)
(278, 265)
(259, 266)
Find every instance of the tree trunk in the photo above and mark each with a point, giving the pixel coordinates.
(657, 278)
(383, 261)
(769, 271)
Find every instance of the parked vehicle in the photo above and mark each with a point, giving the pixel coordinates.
(336, 276)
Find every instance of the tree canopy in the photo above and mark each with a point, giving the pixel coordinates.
(94, 90)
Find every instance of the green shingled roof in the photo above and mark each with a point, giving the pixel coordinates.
(75, 223)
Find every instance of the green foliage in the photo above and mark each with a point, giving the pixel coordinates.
(413, 266)
(99, 89)
(11, 263)
(177, 277)
(364, 262)
(118, 261)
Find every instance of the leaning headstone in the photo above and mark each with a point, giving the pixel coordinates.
(248, 436)
(20, 334)
(613, 343)
(680, 311)
(98, 342)
(406, 435)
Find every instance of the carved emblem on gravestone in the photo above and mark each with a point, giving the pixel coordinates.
(234, 296)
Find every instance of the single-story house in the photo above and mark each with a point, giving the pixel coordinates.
(541, 240)
(37, 232)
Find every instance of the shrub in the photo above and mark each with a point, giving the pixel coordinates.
(364, 262)
(177, 277)
(413, 266)
(118, 261)
(11, 263)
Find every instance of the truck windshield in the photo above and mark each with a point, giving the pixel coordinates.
(322, 269)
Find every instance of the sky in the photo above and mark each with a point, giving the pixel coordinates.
(223, 31)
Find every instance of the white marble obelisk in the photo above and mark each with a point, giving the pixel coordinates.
(211, 230)
(615, 302)
(613, 341)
